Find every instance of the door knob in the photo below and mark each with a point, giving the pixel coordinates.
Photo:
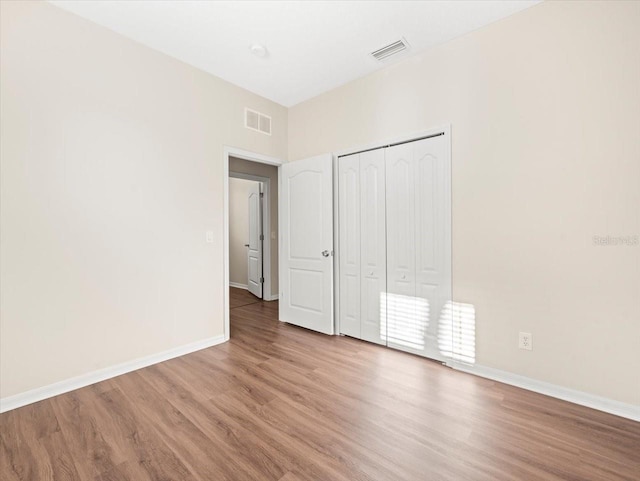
(325, 253)
(246, 245)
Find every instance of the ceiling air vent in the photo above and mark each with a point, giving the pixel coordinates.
(391, 49)
(256, 121)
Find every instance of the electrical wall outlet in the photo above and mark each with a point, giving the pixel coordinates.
(525, 341)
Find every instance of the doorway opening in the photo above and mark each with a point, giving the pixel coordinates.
(251, 248)
(248, 224)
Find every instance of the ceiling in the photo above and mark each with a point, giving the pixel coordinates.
(312, 46)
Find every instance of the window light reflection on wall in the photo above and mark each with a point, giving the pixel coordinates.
(457, 332)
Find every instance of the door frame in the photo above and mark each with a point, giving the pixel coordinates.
(444, 128)
(261, 159)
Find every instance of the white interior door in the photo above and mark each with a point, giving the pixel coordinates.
(254, 247)
(306, 229)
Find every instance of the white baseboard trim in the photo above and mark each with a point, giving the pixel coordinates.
(18, 400)
(592, 401)
(273, 297)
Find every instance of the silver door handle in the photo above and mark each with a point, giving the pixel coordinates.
(325, 253)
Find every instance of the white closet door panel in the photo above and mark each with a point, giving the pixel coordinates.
(400, 215)
(429, 295)
(427, 214)
(372, 327)
(349, 245)
(372, 195)
(430, 208)
(432, 233)
(403, 320)
(373, 242)
(350, 213)
(350, 305)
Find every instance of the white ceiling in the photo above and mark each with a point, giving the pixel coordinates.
(313, 46)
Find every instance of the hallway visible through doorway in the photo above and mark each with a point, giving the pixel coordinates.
(241, 297)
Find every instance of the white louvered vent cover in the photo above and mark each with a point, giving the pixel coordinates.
(256, 121)
(391, 49)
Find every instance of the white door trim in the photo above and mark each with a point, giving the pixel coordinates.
(262, 159)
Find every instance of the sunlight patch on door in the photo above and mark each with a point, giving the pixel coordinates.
(403, 320)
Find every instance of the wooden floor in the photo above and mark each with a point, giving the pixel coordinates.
(240, 298)
(281, 403)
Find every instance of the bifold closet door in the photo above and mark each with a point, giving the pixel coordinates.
(373, 269)
(349, 244)
(418, 244)
(395, 253)
(362, 244)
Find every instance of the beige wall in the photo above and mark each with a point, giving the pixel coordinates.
(544, 108)
(112, 172)
(271, 172)
(238, 229)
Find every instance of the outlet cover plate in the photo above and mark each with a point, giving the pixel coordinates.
(525, 341)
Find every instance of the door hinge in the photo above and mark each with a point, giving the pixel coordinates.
(261, 194)
(262, 280)
(261, 236)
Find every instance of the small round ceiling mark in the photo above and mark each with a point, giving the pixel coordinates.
(258, 50)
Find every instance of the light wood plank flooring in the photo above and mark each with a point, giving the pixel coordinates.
(282, 403)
